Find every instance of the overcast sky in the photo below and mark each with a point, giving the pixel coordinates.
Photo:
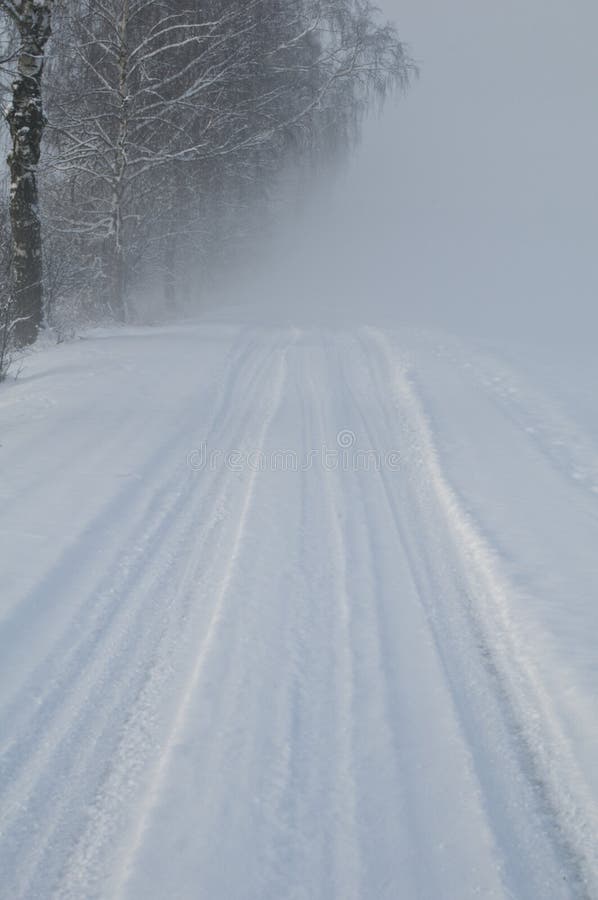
(475, 199)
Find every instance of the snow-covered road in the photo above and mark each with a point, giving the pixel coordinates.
(296, 613)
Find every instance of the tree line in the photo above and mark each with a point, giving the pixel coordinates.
(166, 126)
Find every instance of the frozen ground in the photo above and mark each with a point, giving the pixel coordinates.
(290, 674)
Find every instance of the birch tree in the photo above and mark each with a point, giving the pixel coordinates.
(31, 20)
(170, 125)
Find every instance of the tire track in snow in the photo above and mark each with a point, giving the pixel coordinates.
(205, 648)
(88, 713)
(78, 643)
(79, 459)
(347, 855)
(378, 663)
(84, 730)
(44, 611)
(295, 862)
(502, 708)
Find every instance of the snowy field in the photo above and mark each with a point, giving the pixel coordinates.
(298, 613)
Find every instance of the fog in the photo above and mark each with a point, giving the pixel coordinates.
(472, 201)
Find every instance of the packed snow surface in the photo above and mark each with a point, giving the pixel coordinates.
(296, 612)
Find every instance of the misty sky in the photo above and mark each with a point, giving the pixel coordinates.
(474, 200)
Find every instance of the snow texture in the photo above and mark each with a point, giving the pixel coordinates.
(310, 680)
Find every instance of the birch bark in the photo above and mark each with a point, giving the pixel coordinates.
(25, 117)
